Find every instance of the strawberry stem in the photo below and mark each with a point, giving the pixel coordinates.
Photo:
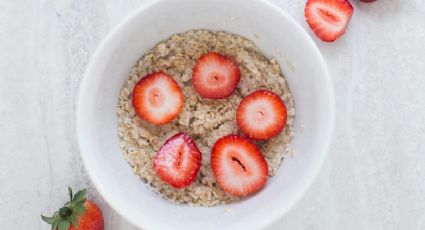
(65, 212)
(70, 193)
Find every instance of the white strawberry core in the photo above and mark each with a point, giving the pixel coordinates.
(176, 158)
(177, 161)
(160, 98)
(155, 97)
(235, 175)
(329, 16)
(216, 75)
(260, 114)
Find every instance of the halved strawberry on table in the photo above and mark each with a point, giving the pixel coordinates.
(328, 18)
(238, 165)
(157, 98)
(178, 161)
(215, 76)
(261, 115)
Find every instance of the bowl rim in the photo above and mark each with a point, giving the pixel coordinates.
(274, 216)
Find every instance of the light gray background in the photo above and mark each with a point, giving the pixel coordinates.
(374, 177)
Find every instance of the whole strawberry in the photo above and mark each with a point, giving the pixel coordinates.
(77, 214)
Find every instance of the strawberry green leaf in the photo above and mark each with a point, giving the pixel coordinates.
(73, 220)
(64, 225)
(80, 195)
(70, 193)
(79, 201)
(80, 209)
(48, 220)
(55, 224)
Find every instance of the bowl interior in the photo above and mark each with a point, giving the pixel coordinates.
(276, 35)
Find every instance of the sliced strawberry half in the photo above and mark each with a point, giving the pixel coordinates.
(157, 98)
(328, 18)
(215, 76)
(178, 161)
(238, 165)
(261, 115)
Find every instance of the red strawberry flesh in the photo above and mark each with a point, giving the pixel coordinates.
(261, 115)
(92, 218)
(215, 76)
(178, 161)
(238, 165)
(328, 18)
(157, 98)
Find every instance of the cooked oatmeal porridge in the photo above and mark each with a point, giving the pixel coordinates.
(206, 120)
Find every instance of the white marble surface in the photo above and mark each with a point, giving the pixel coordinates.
(374, 177)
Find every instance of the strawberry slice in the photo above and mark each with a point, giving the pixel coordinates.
(178, 161)
(157, 98)
(261, 115)
(328, 18)
(238, 165)
(214, 76)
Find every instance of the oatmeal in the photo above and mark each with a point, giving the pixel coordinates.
(206, 120)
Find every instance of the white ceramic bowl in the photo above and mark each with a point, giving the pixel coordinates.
(276, 34)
